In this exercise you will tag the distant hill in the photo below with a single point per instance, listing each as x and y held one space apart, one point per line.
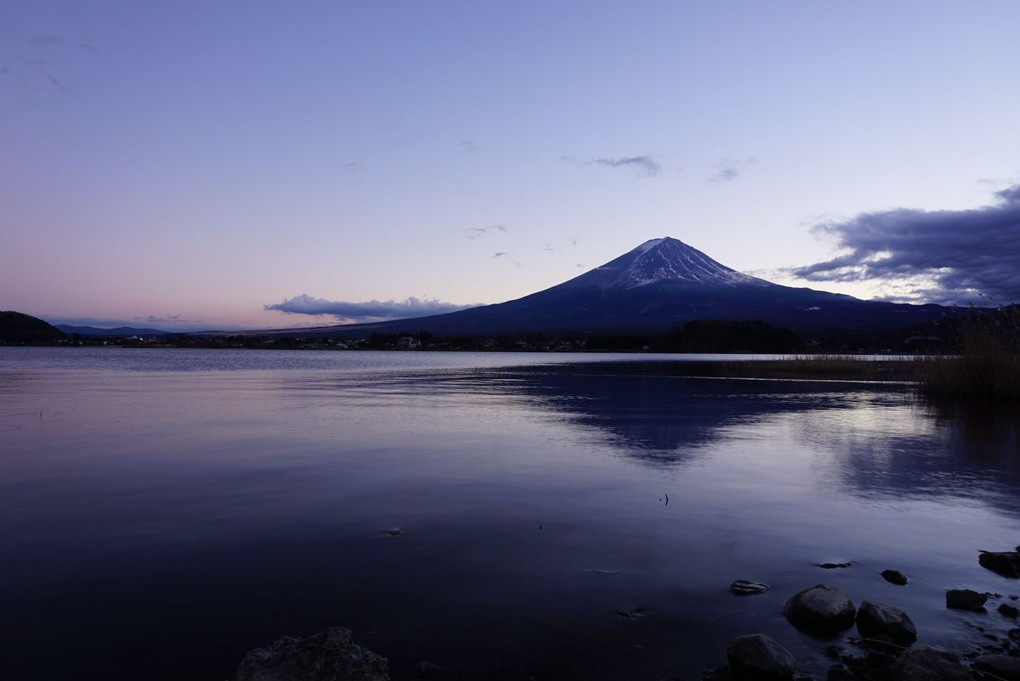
119 331
22 329
660 285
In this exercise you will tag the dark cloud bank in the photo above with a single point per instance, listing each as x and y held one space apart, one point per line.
373 310
967 256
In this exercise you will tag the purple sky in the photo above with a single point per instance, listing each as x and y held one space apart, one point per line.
189 164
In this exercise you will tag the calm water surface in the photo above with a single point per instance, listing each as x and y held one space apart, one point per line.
163 511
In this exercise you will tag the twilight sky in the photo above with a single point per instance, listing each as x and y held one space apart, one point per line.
249 164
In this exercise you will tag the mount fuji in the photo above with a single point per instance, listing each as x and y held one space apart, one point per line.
661 284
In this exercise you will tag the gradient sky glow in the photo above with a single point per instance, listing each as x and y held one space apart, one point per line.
188 164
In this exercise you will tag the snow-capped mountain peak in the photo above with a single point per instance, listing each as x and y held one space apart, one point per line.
662 260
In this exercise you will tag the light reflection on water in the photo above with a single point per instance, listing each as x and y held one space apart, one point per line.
196 504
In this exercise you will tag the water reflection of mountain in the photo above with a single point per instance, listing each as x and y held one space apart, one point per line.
648 410
987 432
972 451
881 441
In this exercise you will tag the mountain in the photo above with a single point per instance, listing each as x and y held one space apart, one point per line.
17 328
119 331
661 284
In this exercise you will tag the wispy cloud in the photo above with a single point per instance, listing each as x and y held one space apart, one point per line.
939 256
728 170
373 310
354 170
44 61
52 40
645 165
43 69
724 175
477 232
468 147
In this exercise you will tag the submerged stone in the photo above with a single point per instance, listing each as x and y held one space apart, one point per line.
746 587
894 577
928 664
1001 666
834 564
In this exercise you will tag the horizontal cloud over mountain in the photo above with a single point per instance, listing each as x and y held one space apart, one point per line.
949 257
371 310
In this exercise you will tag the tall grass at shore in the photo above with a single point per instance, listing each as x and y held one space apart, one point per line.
980 361
988 363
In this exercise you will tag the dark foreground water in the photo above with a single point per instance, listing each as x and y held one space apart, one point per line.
503 516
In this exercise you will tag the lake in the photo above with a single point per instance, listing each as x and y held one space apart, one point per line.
502 516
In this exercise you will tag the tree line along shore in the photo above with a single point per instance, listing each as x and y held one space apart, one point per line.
971 357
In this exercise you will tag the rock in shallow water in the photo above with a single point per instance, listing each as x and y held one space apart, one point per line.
820 610
965 599
894 577
1005 563
928 664
326 656
758 657
1002 666
745 587
885 623
834 564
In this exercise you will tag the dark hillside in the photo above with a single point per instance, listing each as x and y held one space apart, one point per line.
22 329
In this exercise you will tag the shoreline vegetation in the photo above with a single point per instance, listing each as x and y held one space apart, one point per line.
984 364
984 376
987 365
974 357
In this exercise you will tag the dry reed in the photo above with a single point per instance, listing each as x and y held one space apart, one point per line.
988 363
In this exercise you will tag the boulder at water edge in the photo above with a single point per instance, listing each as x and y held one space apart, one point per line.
965 599
1001 666
820 610
1005 563
758 657
885 623
326 656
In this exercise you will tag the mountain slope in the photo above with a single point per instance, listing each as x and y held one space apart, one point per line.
661 284
17 328
119 331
